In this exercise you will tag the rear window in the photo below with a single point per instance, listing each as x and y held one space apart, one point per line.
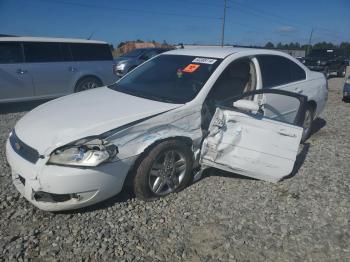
91 52
39 52
10 52
278 70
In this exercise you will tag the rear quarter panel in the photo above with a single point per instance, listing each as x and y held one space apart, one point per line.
101 69
314 87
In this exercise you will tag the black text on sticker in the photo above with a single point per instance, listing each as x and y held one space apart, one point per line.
201 60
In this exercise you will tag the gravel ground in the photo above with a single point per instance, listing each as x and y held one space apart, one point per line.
219 218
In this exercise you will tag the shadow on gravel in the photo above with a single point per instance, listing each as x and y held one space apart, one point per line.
17 107
299 161
221 173
317 125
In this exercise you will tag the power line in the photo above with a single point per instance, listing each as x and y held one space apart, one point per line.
279 19
223 24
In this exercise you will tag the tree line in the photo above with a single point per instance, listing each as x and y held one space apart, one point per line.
345 46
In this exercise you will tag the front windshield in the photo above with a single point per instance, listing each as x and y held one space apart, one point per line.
133 53
168 78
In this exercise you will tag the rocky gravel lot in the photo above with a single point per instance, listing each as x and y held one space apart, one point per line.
219 218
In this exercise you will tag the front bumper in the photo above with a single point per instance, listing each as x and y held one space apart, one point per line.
56 188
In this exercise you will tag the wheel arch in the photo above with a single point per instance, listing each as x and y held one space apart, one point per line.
131 173
81 78
313 105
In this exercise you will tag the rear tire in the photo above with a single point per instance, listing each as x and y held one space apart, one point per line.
87 83
342 73
155 178
307 125
326 73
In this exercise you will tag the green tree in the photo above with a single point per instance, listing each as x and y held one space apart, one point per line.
269 45
345 46
323 45
120 44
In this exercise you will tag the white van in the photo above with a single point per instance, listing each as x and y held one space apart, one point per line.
42 68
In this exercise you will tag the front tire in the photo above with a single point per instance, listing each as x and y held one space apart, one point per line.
307 125
165 169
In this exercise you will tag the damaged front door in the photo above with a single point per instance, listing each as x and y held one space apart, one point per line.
252 137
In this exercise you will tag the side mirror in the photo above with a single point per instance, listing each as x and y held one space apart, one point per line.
246 105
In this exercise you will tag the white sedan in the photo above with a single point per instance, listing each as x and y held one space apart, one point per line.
241 110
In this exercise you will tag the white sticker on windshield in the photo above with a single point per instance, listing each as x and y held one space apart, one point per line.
201 60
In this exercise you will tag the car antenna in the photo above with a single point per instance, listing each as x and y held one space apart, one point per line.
91 35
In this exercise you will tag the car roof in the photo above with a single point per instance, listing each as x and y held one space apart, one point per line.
151 48
222 52
214 52
48 39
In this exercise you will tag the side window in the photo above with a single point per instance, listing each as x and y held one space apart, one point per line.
90 52
278 105
237 78
10 52
297 72
277 70
40 52
65 51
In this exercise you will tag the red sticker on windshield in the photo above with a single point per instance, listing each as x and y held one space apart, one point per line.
190 68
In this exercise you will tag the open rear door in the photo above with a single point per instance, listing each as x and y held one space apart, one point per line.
252 137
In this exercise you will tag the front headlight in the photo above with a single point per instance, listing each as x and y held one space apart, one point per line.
348 81
91 153
121 66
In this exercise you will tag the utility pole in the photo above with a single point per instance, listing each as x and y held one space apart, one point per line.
223 24
309 46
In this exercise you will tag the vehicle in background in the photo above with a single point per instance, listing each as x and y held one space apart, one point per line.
346 90
43 68
237 109
127 62
300 58
348 61
327 61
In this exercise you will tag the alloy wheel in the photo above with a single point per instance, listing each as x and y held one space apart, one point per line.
88 85
167 172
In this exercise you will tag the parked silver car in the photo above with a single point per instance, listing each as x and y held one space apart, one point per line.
127 62
43 68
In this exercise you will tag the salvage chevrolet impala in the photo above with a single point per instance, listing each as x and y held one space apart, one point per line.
241 110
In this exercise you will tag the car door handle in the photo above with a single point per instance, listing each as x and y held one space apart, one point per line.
286 133
72 69
21 71
299 90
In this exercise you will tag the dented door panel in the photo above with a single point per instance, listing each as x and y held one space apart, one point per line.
251 145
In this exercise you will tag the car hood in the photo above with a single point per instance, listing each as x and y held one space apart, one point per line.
84 114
